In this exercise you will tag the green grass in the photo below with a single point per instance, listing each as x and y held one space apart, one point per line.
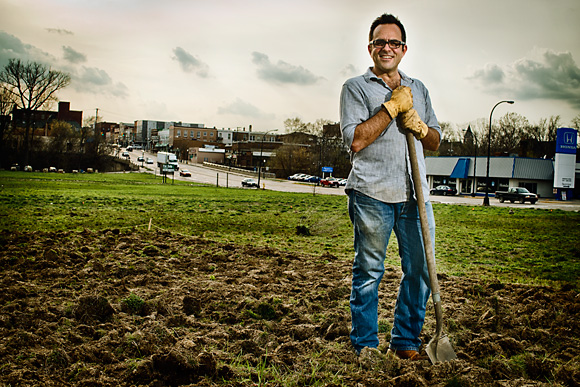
531 245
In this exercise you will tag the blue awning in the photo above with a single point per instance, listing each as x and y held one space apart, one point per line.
461 169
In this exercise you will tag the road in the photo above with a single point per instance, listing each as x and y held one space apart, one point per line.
205 175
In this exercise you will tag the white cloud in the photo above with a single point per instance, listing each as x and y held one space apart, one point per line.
282 72
59 31
72 56
243 109
189 63
94 80
12 47
551 76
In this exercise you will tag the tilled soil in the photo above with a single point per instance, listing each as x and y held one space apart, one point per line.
134 308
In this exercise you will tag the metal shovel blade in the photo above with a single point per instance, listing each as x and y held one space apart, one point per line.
439 349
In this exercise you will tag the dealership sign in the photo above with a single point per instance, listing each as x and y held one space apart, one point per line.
565 159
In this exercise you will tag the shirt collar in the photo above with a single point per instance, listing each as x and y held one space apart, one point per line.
370 76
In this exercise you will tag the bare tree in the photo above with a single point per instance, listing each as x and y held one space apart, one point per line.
6 106
32 86
507 135
576 122
295 125
63 137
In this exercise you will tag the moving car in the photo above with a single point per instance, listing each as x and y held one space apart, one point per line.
140 158
249 182
443 190
149 160
184 172
514 194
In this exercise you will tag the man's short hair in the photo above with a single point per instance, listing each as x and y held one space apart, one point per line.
387 19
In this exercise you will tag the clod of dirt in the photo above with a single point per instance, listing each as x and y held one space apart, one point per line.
191 305
93 308
150 251
303 230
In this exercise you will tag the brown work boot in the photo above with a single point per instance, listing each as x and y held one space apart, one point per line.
406 355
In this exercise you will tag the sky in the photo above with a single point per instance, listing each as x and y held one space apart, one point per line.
236 63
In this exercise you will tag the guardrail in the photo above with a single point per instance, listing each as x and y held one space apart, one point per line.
241 171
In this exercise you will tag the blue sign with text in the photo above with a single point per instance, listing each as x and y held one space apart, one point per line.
327 169
566 141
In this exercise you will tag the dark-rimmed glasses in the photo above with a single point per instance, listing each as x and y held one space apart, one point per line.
381 43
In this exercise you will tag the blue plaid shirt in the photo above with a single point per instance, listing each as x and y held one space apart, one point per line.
382 170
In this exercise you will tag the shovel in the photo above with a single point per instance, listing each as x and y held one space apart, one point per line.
439 348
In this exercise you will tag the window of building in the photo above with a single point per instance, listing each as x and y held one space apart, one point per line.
211 134
198 134
178 133
191 133
204 134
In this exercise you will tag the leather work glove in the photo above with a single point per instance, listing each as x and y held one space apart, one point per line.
401 101
413 123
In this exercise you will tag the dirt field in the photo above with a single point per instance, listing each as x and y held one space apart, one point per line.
137 308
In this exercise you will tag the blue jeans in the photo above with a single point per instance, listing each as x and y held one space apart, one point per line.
373 222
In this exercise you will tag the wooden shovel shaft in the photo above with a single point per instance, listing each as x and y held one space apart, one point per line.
427 242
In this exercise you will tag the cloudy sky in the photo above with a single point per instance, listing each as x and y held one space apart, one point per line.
235 63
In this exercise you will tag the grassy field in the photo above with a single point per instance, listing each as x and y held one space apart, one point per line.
529 246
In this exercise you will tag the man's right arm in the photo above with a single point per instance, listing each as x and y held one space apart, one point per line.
368 131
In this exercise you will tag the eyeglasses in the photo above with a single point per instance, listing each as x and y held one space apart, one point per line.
381 43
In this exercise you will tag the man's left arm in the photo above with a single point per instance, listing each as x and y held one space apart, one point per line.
432 140
429 137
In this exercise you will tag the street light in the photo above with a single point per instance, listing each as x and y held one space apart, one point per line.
260 160
469 133
486 198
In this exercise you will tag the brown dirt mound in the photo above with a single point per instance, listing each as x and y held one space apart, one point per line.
133 308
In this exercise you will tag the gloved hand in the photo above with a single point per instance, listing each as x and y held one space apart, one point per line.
411 121
401 101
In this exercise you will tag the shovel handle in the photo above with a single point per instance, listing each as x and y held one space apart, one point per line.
427 242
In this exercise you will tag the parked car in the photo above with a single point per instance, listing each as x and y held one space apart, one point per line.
125 154
249 182
330 182
140 158
443 190
301 177
312 179
294 176
342 182
185 172
28 168
149 160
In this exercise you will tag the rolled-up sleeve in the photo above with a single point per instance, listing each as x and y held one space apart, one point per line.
353 111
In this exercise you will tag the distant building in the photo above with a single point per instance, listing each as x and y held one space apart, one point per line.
40 120
537 175
208 153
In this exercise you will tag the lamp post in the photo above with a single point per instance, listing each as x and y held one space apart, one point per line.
486 198
469 133
260 160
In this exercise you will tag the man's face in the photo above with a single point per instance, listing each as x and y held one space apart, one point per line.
387 59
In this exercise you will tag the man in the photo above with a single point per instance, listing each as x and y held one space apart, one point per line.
376 111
